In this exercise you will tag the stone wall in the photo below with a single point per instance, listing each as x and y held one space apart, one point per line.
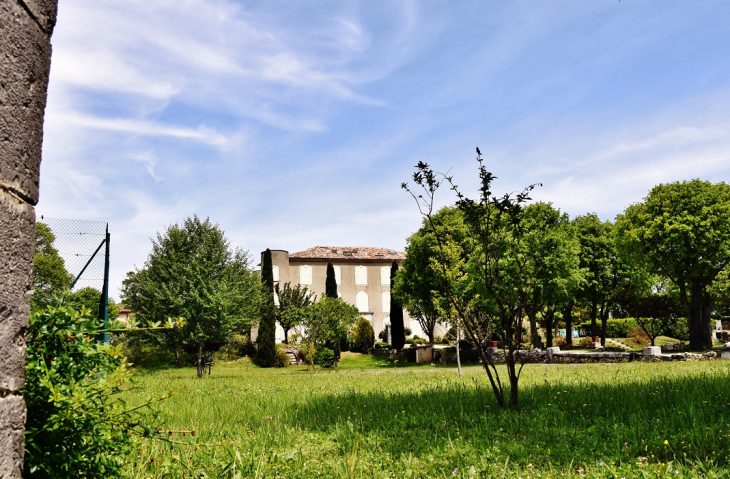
25 57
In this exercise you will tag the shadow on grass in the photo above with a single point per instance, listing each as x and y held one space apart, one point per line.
656 419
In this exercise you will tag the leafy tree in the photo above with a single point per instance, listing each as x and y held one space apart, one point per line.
397 328
496 263
720 291
330 284
267 328
552 269
325 320
419 285
90 298
681 231
50 277
77 425
362 335
192 273
292 306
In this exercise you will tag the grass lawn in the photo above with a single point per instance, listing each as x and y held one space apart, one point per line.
377 418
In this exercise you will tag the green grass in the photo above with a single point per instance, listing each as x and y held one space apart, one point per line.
374 418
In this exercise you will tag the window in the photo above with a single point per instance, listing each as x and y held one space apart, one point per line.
361 276
275 270
385 276
338 275
361 301
386 302
305 274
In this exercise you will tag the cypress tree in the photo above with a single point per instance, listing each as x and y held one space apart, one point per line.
330 284
267 328
330 287
397 328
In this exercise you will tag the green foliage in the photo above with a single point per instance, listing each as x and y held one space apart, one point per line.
194 274
77 426
615 327
50 277
293 302
90 298
330 283
362 335
397 328
325 358
681 232
326 320
266 339
281 359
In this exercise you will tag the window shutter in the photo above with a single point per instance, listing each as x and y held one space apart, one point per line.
361 276
385 276
361 301
305 274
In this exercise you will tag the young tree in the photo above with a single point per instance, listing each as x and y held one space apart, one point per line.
681 231
324 320
266 340
292 304
50 277
496 264
89 298
192 273
397 328
419 285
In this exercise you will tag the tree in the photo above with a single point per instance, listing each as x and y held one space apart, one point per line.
397 328
330 284
552 269
266 354
292 304
419 285
90 298
363 335
325 320
193 273
681 231
496 263
49 277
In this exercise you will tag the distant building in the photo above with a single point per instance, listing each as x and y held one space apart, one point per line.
363 279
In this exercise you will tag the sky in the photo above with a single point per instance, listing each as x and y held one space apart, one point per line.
293 124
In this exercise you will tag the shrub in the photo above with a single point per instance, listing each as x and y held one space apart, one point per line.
325 358
561 342
407 331
281 359
383 335
678 330
130 346
248 349
382 346
76 426
362 336
585 342
639 336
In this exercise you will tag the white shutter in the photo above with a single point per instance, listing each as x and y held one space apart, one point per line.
305 274
361 276
276 299
385 276
361 301
275 270
386 302
338 275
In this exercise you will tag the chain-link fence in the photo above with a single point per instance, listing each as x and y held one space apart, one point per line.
84 247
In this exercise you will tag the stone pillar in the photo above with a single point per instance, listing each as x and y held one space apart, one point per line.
25 58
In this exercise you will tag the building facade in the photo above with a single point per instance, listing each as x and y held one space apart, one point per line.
362 274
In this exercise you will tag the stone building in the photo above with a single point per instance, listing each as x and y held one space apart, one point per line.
363 278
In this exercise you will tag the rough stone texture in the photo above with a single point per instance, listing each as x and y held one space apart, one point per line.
25 56
25 53
12 422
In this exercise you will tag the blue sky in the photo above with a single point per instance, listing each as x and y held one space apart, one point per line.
292 124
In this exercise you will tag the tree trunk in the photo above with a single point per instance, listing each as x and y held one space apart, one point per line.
594 315
549 317
568 318
604 322
178 357
286 335
458 354
430 337
698 319
536 339
200 362
513 379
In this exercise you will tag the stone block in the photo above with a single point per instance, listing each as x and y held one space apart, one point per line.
44 12
12 441
652 351
25 56
551 351
725 355
17 236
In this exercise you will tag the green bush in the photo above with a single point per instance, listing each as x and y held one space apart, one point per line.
281 359
362 336
382 346
325 358
678 330
76 426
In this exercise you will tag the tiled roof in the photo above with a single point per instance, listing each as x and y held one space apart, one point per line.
347 252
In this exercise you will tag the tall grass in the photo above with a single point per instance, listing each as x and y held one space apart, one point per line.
383 420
